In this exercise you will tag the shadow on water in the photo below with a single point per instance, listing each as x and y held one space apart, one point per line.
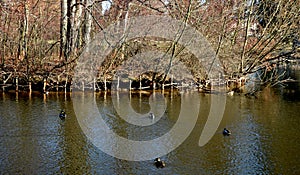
292 90
264 140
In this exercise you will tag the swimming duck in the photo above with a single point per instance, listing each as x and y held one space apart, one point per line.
159 163
226 132
152 116
62 115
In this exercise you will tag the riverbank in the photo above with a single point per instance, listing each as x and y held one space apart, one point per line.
272 74
47 85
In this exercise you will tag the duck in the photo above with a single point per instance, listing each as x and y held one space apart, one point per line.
226 132
159 163
62 115
152 116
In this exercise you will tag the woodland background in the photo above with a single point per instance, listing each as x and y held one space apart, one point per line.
43 39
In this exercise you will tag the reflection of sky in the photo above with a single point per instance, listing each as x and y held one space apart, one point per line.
246 154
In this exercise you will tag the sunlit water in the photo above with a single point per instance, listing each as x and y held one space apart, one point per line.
265 136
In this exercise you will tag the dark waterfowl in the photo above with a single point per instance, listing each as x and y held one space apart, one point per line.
62 115
152 116
226 132
159 163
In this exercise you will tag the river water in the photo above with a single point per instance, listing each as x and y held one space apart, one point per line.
264 140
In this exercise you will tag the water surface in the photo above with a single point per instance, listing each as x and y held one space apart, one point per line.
265 136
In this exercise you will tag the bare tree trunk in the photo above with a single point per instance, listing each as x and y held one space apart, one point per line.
23 34
64 29
248 22
4 22
76 14
174 43
88 21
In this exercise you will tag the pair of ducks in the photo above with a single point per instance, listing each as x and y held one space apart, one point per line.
159 163
62 115
226 132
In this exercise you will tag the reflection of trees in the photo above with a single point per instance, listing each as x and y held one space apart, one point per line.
74 146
